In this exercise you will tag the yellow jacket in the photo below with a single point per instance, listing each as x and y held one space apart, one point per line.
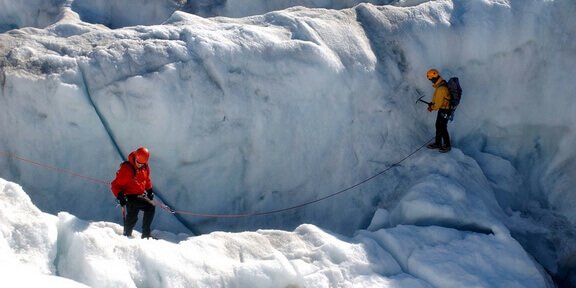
441 98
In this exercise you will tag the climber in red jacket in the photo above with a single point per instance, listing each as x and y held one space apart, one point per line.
133 189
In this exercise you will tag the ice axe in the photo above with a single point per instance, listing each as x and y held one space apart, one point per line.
420 100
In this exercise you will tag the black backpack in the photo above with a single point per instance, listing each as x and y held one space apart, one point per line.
455 94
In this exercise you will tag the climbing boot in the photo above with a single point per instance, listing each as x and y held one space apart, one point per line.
445 149
433 146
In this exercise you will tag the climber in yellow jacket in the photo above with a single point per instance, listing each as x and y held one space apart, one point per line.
440 102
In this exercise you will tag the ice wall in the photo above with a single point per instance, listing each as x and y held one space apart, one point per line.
263 112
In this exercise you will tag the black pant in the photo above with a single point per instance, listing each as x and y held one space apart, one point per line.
442 128
134 205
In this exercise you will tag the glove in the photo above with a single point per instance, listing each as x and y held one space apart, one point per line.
121 199
430 107
150 194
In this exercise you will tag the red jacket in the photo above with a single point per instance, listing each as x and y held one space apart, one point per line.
130 180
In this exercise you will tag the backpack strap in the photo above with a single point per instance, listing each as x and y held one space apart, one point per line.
445 84
132 167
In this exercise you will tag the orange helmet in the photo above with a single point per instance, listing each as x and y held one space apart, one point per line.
142 155
432 73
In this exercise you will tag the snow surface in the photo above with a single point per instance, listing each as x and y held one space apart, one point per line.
35 246
248 115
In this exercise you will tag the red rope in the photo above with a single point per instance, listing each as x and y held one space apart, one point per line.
241 215
57 169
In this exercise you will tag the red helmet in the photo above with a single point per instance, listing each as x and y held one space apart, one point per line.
142 155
